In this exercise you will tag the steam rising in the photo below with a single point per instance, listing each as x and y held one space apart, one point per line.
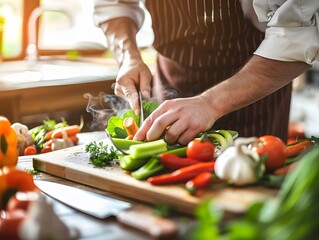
102 107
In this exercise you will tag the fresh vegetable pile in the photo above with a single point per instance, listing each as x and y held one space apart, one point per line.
214 154
49 136
292 215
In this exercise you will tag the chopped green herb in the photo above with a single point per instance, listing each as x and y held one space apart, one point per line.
32 171
101 155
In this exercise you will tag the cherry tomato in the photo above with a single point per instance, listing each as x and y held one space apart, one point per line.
275 150
200 150
30 150
46 149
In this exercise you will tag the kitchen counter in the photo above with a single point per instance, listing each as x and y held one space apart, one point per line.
92 228
51 89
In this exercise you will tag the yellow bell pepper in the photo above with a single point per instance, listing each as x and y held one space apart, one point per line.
8 144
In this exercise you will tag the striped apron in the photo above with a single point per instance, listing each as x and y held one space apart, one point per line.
203 42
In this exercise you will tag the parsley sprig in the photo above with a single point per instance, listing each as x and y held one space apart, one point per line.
101 155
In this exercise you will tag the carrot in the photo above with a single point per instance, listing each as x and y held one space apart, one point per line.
74 138
296 148
70 130
48 135
57 133
46 149
130 126
129 137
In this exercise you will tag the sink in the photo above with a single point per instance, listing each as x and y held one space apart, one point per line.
17 74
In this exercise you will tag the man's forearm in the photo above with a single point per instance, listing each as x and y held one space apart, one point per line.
121 39
257 79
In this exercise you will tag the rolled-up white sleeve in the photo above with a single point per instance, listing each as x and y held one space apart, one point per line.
292 32
105 10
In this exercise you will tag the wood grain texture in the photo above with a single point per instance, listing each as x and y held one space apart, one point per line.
73 164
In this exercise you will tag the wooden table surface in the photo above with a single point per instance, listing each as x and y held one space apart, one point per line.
93 228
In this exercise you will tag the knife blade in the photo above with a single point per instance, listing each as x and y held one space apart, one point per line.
101 207
141 108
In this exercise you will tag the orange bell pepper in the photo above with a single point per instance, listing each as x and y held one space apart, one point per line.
8 144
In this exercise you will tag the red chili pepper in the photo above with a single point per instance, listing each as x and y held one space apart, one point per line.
285 170
182 174
174 162
296 148
201 181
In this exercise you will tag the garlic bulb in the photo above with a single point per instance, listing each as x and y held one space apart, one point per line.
24 137
43 223
61 143
238 164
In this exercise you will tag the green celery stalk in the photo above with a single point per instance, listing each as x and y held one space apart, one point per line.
130 164
146 150
152 167
181 151
227 136
124 143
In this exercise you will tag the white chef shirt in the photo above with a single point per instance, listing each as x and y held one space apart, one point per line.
292 32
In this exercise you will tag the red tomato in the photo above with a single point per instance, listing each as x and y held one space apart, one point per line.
200 150
46 149
275 150
30 150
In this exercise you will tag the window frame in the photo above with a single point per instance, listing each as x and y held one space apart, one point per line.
28 7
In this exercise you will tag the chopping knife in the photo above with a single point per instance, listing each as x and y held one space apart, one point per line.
101 206
141 108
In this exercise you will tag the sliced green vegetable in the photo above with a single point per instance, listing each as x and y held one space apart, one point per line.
221 141
181 151
226 134
149 169
130 164
146 150
125 144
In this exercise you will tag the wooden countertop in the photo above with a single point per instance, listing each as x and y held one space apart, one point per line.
92 228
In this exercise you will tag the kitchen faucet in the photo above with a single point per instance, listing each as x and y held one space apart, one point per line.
32 49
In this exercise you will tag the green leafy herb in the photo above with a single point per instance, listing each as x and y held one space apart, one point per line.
101 155
115 123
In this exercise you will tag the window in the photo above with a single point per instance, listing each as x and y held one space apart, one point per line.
75 29
11 28
58 31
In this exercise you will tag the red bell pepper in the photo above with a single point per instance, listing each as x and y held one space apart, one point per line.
174 162
182 174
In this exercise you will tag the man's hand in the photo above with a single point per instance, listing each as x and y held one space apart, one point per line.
133 75
180 120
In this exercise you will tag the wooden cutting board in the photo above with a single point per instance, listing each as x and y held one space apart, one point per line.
73 164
